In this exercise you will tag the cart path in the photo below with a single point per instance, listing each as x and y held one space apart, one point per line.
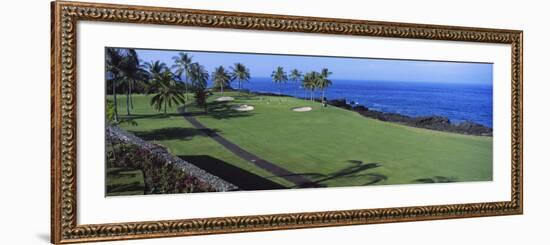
298 180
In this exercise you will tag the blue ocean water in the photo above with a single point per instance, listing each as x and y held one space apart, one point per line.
458 102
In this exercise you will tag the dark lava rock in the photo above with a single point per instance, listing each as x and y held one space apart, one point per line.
473 128
438 123
360 108
431 122
339 103
383 116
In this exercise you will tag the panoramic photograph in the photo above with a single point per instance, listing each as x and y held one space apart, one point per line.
188 121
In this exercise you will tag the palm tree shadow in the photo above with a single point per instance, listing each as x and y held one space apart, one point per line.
174 133
220 110
353 171
436 179
223 110
151 116
375 178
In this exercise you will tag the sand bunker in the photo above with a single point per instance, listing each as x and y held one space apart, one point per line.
242 107
225 98
302 109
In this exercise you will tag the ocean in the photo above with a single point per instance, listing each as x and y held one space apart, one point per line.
458 102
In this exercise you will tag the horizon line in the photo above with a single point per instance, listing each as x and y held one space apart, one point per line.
394 81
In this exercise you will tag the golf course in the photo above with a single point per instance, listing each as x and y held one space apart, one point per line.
330 146
199 121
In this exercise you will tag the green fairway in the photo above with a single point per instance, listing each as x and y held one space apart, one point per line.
179 136
329 145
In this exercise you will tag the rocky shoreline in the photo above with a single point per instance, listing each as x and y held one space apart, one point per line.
438 123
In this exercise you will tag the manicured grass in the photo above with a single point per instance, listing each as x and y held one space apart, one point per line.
330 145
121 182
180 136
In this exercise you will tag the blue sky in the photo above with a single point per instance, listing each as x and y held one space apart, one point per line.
261 65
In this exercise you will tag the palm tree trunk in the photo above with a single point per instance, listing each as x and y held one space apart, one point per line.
115 101
323 96
165 107
186 99
128 101
185 84
221 88
131 99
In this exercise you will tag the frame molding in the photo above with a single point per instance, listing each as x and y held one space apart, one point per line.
65 16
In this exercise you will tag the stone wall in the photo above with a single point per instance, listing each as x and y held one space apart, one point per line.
217 183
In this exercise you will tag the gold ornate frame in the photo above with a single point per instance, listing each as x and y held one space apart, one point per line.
66 15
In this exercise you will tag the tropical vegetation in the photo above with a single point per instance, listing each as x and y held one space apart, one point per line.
172 85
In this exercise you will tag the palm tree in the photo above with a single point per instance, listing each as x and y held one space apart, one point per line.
183 65
279 76
221 78
324 82
199 80
295 76
154 70
309 82
113 58
198 76
132 72
168 91
241 73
